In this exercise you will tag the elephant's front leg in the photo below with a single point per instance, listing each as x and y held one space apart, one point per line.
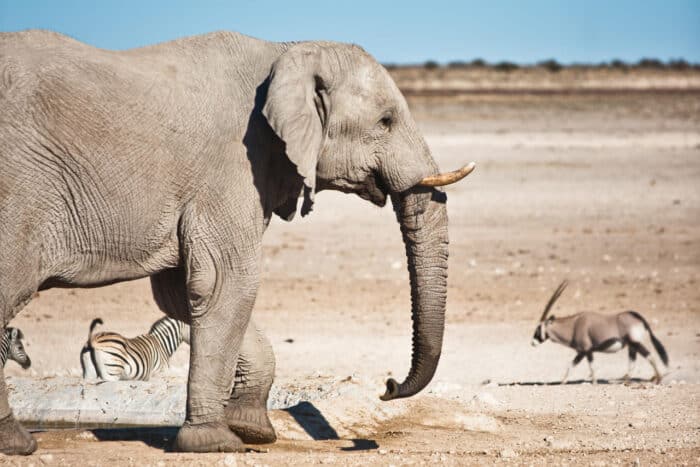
246 412
221 291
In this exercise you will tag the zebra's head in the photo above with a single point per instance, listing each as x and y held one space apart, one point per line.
15 350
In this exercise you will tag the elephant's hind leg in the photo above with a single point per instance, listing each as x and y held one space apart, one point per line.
246 412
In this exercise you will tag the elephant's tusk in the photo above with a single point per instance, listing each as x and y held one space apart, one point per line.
449 177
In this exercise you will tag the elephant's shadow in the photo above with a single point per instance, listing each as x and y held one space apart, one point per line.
161 437
304 413
317 426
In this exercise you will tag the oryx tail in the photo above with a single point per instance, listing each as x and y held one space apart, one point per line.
657 343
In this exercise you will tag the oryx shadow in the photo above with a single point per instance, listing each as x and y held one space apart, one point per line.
574 382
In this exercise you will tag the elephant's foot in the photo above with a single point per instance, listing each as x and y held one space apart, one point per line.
251 424
207 437
14 438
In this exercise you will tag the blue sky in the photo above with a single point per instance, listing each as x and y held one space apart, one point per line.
393 31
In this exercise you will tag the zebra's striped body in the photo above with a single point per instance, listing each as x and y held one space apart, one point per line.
11 348
111 356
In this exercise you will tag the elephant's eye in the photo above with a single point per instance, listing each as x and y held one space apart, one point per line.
385 122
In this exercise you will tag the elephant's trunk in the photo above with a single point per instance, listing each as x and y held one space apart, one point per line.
422 214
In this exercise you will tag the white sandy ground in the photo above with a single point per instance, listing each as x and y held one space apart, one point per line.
562 190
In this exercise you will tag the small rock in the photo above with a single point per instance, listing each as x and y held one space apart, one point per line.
485 398
86 435
230 460
508 453
46 458
558 444
383 451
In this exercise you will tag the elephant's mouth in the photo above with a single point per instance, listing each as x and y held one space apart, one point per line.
375 190
372 188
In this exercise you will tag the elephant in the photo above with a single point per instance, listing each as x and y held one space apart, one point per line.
169 161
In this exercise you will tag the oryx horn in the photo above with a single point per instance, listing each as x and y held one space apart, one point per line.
449 177
554 298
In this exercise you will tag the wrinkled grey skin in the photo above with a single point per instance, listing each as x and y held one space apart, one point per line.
169 161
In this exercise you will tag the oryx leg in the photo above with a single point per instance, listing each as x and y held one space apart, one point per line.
577 359
646 354
632 354
589 357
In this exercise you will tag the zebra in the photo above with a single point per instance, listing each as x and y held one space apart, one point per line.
11 348
111 357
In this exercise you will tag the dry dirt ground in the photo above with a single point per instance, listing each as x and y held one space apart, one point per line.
602 189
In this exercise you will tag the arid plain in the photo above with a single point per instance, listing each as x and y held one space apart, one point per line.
594 178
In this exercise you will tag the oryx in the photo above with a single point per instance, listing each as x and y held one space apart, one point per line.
589 332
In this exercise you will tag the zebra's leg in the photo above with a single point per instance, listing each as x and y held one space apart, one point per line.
246 412
86 363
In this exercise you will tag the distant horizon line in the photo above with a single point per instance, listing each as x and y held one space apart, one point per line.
551 63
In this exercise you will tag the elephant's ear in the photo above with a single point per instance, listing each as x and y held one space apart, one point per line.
291 110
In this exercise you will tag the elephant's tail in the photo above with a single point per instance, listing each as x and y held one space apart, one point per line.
93 325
